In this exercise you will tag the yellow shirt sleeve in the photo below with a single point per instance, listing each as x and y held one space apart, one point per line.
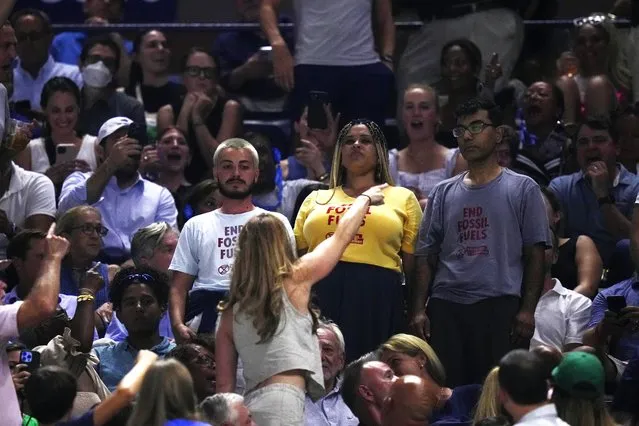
300 220
411 225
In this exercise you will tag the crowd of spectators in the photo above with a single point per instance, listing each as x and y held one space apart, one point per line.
442 234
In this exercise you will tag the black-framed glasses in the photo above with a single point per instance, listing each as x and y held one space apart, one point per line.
594 19
475 128
206 72
88 229
107 61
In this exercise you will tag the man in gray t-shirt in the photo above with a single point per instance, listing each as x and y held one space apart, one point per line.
483 235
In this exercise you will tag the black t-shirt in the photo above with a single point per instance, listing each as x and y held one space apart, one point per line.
155 98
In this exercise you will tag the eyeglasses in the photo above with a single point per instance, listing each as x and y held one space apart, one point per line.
107 61
475 128
206 72
88 229
595 19
32 36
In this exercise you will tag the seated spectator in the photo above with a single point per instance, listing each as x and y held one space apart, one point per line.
578 265
489 402
67 46
561 315
202 198
313 154
524 390
226 409
550 356
8 55
597 201
330 409
139 297
410 402
168 397
542 142
204 114
82 226
36 66
151 247
100 60
19 371
627 125
578 391
27 199
367 384
165 163
246 70
39 306
126 201
410 355
149 81
200 361
460 65
614 334
271 192
51 391
61 105
424 162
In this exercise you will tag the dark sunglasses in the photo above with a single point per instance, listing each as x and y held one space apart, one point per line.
88 229
206 72
109 62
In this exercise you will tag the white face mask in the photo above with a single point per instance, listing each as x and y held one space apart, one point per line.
96 75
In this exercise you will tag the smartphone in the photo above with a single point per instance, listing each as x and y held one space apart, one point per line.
66 152
31 359
316 114
616 303
138 133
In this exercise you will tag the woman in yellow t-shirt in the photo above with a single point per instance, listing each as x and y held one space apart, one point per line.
363 294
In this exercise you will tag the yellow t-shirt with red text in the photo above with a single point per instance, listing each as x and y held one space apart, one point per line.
386 230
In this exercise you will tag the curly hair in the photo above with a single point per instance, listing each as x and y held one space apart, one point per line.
156 281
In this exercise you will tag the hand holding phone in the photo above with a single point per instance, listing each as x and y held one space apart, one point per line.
616 303
316 110
31 359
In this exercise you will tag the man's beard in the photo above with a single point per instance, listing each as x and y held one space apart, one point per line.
236 194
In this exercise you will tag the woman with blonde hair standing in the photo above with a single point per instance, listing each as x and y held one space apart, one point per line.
167 397
267 320
364 294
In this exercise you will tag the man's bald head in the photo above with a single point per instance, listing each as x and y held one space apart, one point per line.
551 357
411 401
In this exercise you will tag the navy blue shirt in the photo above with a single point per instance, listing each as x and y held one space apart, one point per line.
233 49
582 214
458 410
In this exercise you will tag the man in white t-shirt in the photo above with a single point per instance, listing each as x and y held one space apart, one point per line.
204 255
40 304
561 315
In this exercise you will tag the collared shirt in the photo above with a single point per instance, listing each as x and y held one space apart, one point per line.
117 359
29 194
628 345
123 211
330 410
582 214
561 317
29 89
542 416
117 332
67 47
8 329
117 104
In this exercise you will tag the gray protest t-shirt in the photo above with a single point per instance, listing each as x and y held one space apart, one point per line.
478 234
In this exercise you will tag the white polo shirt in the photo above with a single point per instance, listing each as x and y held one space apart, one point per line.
29 194
26 88
561 317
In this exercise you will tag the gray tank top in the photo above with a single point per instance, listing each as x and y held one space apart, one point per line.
293 347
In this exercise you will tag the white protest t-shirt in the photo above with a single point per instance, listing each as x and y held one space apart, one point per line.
207 244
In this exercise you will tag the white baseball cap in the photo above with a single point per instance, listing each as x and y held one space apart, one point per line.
111 126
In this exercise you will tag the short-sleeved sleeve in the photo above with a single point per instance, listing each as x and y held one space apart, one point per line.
41 198
186 257
303 213
578 321
533 218
411 225
9 321
598 310
431 228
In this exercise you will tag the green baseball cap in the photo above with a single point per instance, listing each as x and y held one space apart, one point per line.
580 374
